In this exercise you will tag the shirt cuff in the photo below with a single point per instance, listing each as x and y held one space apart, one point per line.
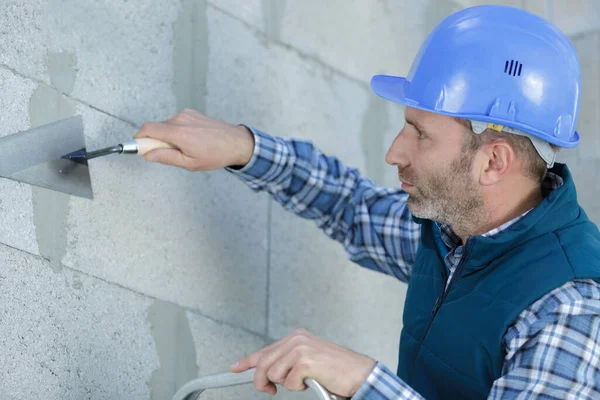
269 158
383 384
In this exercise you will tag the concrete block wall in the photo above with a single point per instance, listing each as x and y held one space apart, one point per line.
166 274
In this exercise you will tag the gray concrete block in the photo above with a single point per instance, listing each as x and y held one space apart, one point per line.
585 173
574 17
568 156
314 286
537 7
217 347
123 54
23 39
47 104
473 3
190 55
587 47
274 89
395 125
70 336
251 12
175 348
14 106
284 94
356 37
195 239
17 228
544 9
594 215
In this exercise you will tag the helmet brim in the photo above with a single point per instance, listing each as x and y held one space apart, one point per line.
393 88
397 89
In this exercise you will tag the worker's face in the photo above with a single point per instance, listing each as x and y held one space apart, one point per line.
434 167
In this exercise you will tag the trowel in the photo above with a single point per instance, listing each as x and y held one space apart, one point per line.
54 156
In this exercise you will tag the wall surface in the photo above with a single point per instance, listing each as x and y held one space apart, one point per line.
166 274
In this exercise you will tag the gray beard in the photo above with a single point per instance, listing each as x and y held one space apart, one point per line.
456 202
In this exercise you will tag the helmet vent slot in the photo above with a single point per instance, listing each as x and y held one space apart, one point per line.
513 68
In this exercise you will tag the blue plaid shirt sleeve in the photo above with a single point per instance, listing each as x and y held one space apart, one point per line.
383 384
553 348
373 223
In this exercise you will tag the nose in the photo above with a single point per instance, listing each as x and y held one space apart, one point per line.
397 154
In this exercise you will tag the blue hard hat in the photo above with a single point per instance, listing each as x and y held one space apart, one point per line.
495 64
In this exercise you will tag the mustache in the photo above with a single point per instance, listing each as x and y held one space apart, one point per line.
407 176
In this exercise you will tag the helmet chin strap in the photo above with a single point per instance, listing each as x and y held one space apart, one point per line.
543 148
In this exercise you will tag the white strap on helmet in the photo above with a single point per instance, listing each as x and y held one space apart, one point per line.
543 148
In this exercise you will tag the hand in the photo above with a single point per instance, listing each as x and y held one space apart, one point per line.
302 355
201 143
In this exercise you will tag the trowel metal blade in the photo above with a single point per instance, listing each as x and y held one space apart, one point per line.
34 157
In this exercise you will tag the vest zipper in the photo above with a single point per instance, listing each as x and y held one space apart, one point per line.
440 300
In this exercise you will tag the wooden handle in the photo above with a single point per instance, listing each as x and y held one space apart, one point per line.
146 145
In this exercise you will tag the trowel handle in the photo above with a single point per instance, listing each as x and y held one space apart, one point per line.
143 146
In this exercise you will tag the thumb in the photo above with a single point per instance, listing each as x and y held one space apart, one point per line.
168 157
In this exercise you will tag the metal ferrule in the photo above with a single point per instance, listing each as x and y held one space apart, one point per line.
130 147
103 152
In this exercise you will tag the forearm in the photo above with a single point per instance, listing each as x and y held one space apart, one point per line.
347 207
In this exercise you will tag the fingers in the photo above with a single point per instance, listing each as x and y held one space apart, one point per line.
280 370
186 115
280 353
169 157
284 353
246 363
169 133
261 383
252 360
270 388
294 381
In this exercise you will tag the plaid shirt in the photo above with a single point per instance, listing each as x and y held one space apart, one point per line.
551 350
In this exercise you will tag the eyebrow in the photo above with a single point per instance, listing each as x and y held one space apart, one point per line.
416 125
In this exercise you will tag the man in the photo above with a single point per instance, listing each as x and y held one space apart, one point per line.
501 262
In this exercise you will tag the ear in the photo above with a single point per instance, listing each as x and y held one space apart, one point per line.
497 157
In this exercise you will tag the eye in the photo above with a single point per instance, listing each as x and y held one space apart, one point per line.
421 134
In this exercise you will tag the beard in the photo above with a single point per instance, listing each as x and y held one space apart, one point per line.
450 197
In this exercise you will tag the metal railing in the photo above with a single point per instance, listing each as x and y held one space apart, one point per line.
193 389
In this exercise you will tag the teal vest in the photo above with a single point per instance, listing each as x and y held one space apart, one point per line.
452 344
